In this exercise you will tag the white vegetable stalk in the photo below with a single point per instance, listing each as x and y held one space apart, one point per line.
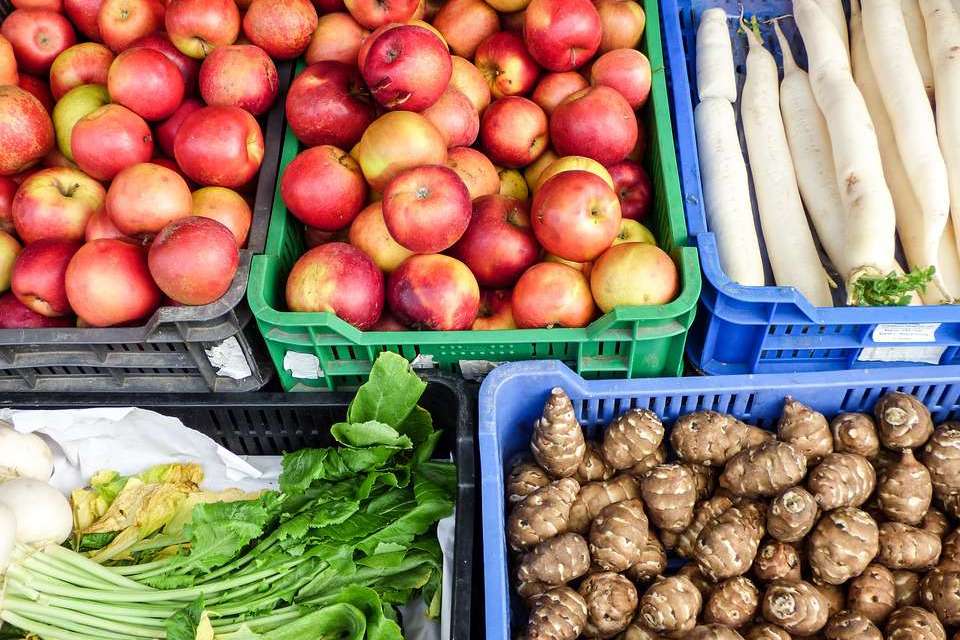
24 455
908 107
726 192
870 216
833 9
917 30
716 77
812 157
790 247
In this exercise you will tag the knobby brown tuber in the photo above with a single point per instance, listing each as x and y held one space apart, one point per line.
670 493
559 614
557 443
704 478
792 515
950 551
851 625
524 479
940 593
807 430
777 561
732 603
728 544
903 421
873 593
611 604
914 623
652 560
542 514
631 437
842 544
670 605
796 606
905 490
942 458
906 588
704 513
649 462
595 496
842 480
855 433
835 596
710 438
714 632
765 631
556 561
618 535
593 467
906 547
935 522
763 471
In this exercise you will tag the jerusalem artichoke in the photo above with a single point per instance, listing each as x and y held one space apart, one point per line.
670 493
611 604
732 603
903 421
842 544
763 471
942 458
906 588
670 606
556 561
618 535
792 515
842 480
542 514
873 594
796 606
914 623
940 593
764 631
652 560
850 625
594 496
905 490
713 632
728 544
705 512
631 437
855 433
935 522
807 430
524 479
906 547
710 438
777 561
557 443
559 614
593 467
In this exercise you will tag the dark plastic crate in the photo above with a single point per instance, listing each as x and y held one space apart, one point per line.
274 423
168 352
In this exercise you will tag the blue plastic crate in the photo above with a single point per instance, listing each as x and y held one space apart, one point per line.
512 397
776 329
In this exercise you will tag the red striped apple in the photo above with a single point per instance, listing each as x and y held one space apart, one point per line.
110 139
84 63
513 130
145 198
562 34
507 66
83 14
38 276
194 260
189 68
122 22
633 188
597 123
455 118
434 292
465 24
146 82
554 88
406 67
427 208
550 294
627 71
239 75
25 128
323 187
108 283
219 147
197 27
476 171
329 104
56 203
576 215
337 39
37 36
466 78
376 13
499 244
283 28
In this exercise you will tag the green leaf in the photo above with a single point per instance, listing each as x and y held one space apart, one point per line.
183 624
390 394
337 622
892 290
368 434
302 468
322 514
96 541
379 626
418 425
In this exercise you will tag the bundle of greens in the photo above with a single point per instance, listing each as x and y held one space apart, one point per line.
350 533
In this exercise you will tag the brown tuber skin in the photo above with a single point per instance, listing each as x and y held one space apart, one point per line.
732 603
670 606
649 462
942 458
902 421
559 614
906 588
940 593
593 467
714 632
850 625
631 437
914 623
872 594
842 480
792 515
704 513
836 598
618 535
542 514
904 491
611 603
950 552
842 544
728 545
764 631
556 561
669 493
636 631
704 478
906 547
763 471
710 438
807 430
797 607
595 496
703 584
652 561
777 561
935 522
524 479
557 442
855 433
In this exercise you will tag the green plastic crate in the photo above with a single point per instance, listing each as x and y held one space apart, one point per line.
629 342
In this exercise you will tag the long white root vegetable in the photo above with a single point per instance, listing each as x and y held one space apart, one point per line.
917 30
790 246
833 9
812 156
726 192
716 77
870 216
908 107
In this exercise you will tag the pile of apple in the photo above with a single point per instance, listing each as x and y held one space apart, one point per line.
473 164
129 147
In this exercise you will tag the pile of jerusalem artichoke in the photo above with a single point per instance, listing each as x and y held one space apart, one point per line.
837 530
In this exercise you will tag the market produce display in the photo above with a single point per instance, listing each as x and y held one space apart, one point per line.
465 165
349 535
130 148
847 159
814 530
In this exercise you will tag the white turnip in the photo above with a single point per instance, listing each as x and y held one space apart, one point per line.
42 513
24 455
715 73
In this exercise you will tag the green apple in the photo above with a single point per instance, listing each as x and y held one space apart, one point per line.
9 250
633 231
74 105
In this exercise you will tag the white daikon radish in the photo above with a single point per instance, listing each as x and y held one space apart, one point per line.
833 9
726 192
917 31
908 107
790 247
715 73
870 217
812 156
943 39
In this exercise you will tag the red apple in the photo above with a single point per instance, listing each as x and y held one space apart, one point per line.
513 130
597 123
388 323
499 244
623 22
407 67
396 141
109 140
38 89
337 39
576 215
455 118
38 276
552 295
506 64
554 88
83 14
512 20
8 63
145 198
49 5
369 233
434 292
376 13
634 274
496 311
219 146
627 71
337 278
427 208
16 315
26 131
633 187
572 163
562 34
85 63
324 188
194 260
8 188
122 22
189 68
197 27
101 226
37 36
166 131
56 203
147 83
226 207
467 79
240 75
476 171
328 104
108 283
465 24
533 171
283 28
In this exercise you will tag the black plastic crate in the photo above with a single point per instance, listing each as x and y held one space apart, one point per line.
274 423
168 352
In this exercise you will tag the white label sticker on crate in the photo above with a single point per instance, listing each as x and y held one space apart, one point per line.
228 359
926 355
423 361
305 366
918 332
477 370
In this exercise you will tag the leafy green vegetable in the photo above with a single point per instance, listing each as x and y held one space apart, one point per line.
891 290
303 468
368 434
183 624
390 394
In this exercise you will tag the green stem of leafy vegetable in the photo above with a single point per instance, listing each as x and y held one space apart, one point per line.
891 290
